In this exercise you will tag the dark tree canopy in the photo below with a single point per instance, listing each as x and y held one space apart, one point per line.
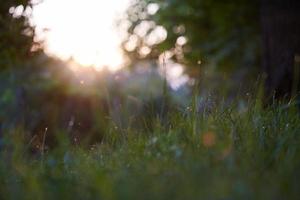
261 34
16 33
225 33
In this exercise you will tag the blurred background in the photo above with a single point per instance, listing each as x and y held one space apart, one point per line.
84 66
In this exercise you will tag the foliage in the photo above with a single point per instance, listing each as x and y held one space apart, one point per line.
16 33
224 153
221 33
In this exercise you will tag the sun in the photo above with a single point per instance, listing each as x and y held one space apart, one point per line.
82 30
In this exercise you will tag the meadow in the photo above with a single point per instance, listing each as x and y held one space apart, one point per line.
221 153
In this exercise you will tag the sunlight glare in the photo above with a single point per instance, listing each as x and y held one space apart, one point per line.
82 30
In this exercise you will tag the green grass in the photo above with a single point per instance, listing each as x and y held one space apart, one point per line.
225 153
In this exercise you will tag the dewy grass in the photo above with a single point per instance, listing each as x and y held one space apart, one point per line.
223 153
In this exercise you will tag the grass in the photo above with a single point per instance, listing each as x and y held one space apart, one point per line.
223 153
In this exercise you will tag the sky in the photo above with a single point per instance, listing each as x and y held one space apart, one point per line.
81 29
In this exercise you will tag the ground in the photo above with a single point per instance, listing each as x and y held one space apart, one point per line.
226 153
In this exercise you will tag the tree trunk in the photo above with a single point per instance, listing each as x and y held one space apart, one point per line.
280 21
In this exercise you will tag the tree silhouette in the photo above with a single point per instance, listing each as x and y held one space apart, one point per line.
260 34
16 32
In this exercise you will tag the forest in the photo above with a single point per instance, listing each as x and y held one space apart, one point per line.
205 104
